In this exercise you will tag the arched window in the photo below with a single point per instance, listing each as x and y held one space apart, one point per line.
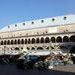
22 41
65 39
8 42
47 40
5 42
25 41
37 40
12 42
72 38
33 40
42 40
53 39
59 39
18 41
28 41
1 42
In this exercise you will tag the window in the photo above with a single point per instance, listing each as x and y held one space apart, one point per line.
15 25
32 22
65 18
42 21
23 23
53 19
8 26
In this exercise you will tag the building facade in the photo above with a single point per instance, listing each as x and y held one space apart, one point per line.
44 34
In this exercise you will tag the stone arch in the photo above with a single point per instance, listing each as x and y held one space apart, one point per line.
12 42
5 42
65 39
1 42
42 40
25 41
22 41
28 41
37 40
53 39
33 40
17 48
15 42
59 39
8 42
47 40
32 48
72 38
18 41
47 48
39 48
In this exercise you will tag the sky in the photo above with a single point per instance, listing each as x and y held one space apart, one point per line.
15 11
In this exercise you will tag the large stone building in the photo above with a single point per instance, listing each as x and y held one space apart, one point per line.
45 34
